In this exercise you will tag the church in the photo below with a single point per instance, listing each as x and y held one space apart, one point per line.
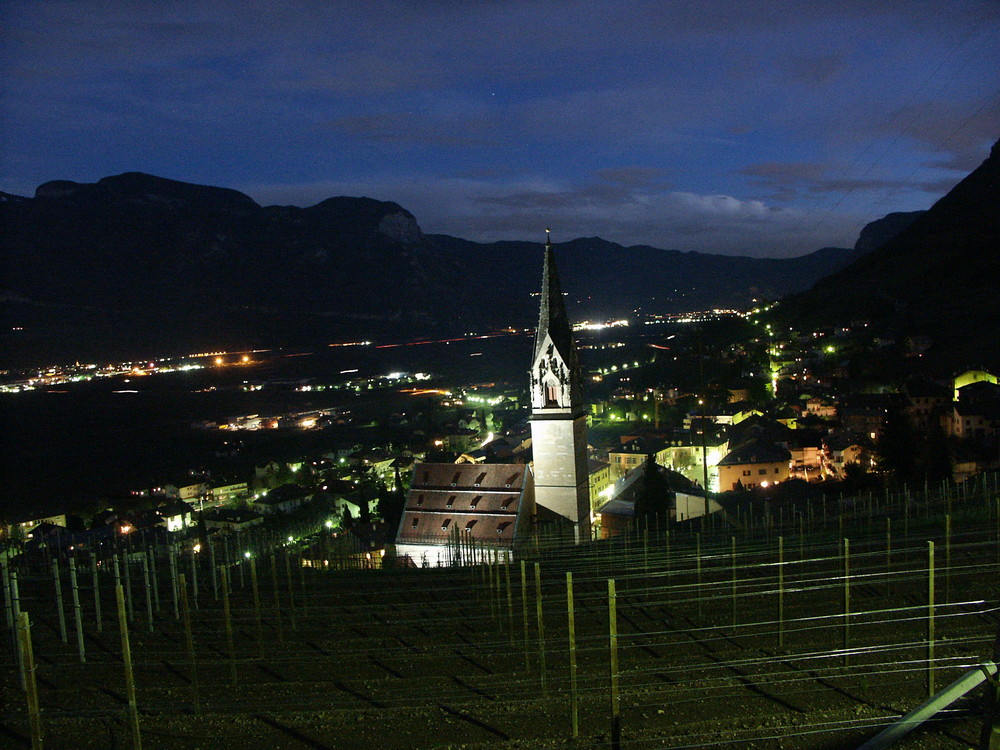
463 513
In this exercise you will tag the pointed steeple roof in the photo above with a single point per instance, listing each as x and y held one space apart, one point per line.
552 318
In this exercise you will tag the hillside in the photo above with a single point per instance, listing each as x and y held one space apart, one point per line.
135 265
939 277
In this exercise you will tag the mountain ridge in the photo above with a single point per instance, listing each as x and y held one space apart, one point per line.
938 277
147 262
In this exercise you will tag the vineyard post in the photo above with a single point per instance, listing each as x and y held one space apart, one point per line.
510 600
173 583
256 606
59 600
189 640
126 563
847 599
888 555
194 577
732 565
149 594
15 598
781 592
291 592
30 685
698 568
133 709
616 720
541 626
930 619
666 560
524 617
151 553
574 699
8 610
97 590
224 574
277 599
947 559
214 572
77 611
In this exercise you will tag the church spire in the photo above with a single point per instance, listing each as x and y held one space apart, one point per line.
558 411
552 317
554 329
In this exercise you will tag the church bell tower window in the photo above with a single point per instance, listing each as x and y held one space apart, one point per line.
551 395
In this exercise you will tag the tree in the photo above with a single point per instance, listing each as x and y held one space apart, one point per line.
896 449
653 499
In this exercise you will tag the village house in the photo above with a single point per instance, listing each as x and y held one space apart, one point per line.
176 514
282 500
231 519
756 463
600 481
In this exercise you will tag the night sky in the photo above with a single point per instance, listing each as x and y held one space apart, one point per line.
760 128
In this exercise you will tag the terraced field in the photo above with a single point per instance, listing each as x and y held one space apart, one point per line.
715 647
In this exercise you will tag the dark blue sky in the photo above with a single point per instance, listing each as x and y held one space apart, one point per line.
760 128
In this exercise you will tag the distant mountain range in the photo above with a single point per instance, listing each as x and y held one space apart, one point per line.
936 275
136 265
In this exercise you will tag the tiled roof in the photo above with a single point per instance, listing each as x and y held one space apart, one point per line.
479 499
756 452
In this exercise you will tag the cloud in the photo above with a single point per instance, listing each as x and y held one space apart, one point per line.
631 176
958 134
815 71
789 180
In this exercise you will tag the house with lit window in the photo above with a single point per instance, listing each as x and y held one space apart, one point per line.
456 514
175 515
756 463
600 481
282 500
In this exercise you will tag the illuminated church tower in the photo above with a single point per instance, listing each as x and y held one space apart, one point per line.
558 412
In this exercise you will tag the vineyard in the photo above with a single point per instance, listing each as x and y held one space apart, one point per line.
812 628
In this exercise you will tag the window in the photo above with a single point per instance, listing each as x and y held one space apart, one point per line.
762 471
746 472
451 501
416 522
470 524
475 501
775 469
446 524
420 500
551 395
501 528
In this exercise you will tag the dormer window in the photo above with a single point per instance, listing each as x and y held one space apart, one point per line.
475 501
451 501
446 524
416 522
420 500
